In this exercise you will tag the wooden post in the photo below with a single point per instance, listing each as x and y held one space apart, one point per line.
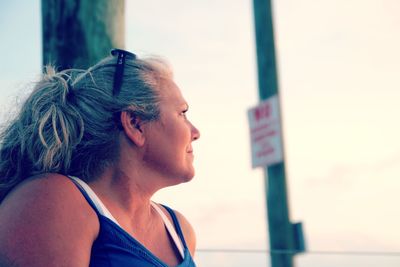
280 229
78 33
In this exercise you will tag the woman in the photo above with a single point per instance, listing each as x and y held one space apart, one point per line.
81 161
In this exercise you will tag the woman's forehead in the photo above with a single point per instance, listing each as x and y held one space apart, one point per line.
171 93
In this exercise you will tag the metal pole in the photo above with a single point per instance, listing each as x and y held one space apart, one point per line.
78 33
280 228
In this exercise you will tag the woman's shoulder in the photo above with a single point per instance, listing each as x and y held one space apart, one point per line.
49 189
46 213
46 197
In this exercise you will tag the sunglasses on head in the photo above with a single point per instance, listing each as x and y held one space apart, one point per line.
119 68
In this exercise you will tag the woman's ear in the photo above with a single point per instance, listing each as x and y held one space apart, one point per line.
131 125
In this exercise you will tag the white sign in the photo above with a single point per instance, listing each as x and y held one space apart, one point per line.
265 133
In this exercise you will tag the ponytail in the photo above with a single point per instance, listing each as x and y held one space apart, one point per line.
44 134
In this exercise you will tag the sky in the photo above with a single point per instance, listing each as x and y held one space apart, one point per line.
338 64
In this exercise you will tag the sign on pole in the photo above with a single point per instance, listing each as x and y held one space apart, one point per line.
265 133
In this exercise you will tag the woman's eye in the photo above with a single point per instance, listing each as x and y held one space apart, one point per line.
183 113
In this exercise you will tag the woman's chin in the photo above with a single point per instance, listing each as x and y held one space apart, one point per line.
187 177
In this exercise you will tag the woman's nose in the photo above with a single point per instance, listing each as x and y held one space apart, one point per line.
195 133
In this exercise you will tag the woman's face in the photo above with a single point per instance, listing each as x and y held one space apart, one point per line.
169 139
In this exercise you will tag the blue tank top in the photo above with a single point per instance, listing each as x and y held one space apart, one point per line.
114 247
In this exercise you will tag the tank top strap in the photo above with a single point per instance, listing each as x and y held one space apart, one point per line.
176 224
85 195
171 230
93 199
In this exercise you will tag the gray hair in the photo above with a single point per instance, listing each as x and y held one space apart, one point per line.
70 122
